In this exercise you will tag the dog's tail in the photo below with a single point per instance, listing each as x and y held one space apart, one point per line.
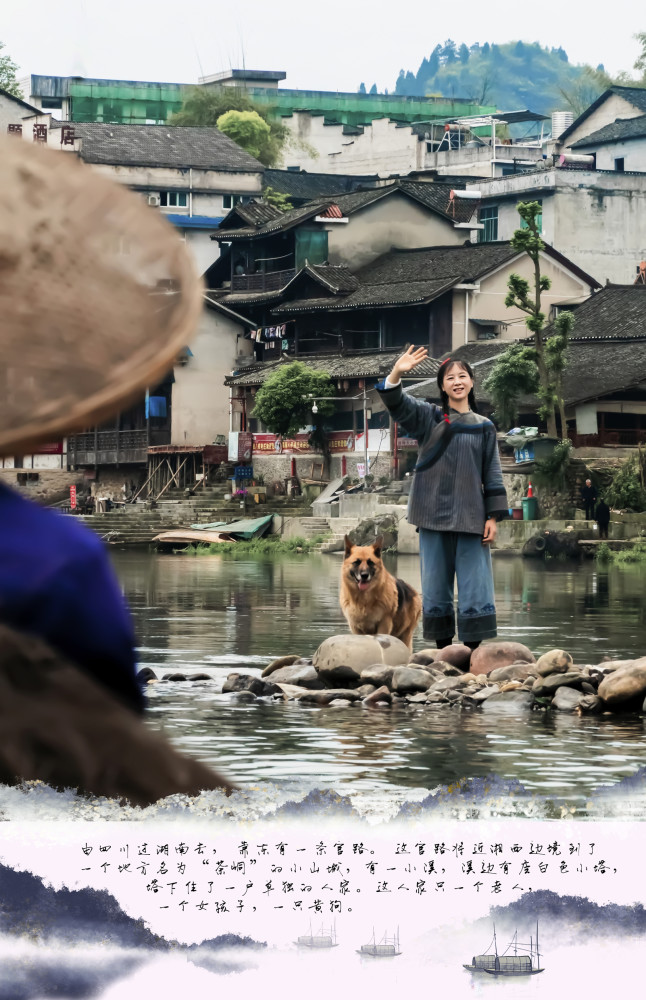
405 593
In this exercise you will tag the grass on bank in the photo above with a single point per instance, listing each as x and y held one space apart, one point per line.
635 554
272 546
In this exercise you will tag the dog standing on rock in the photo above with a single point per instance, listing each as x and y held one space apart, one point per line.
372 599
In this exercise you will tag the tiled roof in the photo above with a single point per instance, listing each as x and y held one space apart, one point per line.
257 213
366 365
633 95
304 186
435 197
615 312
619 130
369 296
162 146
337 277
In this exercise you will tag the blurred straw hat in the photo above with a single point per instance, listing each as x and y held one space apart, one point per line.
97 296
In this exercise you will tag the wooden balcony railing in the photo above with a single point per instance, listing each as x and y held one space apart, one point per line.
270 281
107 447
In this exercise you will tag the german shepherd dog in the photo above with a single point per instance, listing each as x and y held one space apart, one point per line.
372 599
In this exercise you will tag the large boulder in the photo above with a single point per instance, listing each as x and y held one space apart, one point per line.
458 655
302 675
491 655
624 685
367 530
555 661
359 651
408 680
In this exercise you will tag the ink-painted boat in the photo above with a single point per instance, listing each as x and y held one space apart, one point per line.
388 947
326 938
518 959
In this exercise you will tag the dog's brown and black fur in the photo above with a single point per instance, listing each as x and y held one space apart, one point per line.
372 599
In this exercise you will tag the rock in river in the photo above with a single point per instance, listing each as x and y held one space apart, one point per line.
567 699
359 651
511 702
555 661
303 675
282 661
407 680
490 655
625 683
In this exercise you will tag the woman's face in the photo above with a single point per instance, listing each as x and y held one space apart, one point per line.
457 382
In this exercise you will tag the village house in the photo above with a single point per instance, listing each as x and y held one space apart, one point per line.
193 176
592 190
615 103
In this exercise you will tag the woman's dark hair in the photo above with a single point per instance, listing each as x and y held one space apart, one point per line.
443 369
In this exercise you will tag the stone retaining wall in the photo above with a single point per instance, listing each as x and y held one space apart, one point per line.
52 485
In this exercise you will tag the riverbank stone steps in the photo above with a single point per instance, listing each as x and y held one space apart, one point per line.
380 672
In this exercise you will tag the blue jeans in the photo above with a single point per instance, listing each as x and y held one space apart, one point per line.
443 556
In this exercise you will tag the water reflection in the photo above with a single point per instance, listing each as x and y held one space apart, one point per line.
213 615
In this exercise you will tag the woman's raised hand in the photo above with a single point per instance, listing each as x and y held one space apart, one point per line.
409 360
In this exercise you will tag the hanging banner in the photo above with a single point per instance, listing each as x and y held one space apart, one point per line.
338 442
405 442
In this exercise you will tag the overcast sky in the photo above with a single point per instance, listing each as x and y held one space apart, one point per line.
334 45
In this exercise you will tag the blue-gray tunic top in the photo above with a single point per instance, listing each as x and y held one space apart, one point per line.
464 485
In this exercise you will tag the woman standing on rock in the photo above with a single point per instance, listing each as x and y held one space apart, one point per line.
457 497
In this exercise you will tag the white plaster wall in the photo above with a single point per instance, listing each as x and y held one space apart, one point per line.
200 402
633 152
394 221
612 108
383 148
597 220
489 301
199 181
204 250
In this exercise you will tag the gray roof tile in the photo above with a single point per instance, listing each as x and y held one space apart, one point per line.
619 130
162 146
366 365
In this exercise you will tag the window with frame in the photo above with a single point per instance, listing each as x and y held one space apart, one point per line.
173 199
231 200
489 219
539 217
620 164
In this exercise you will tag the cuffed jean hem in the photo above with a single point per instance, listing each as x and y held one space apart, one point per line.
475 628
438 626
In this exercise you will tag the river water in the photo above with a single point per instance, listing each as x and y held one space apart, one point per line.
214 615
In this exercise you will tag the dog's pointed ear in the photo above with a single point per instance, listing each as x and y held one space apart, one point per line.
349 544
378 545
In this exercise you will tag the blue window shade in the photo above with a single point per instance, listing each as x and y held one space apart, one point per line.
156 406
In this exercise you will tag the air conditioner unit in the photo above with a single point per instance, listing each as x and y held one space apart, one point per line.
154 200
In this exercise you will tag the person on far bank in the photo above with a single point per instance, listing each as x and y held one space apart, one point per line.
589 497
603 518
456 499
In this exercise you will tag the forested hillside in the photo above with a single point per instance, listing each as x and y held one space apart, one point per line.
510 76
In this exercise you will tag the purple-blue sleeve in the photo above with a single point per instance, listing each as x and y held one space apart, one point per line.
83 613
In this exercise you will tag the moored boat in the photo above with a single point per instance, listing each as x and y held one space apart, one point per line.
388 947
326 938
524 960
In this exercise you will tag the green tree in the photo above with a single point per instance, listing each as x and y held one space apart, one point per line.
549 353
8 78
248 130
513 375
627 486
203 106
283 403
276 198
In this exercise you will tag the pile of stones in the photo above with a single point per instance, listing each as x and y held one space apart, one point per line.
380 672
